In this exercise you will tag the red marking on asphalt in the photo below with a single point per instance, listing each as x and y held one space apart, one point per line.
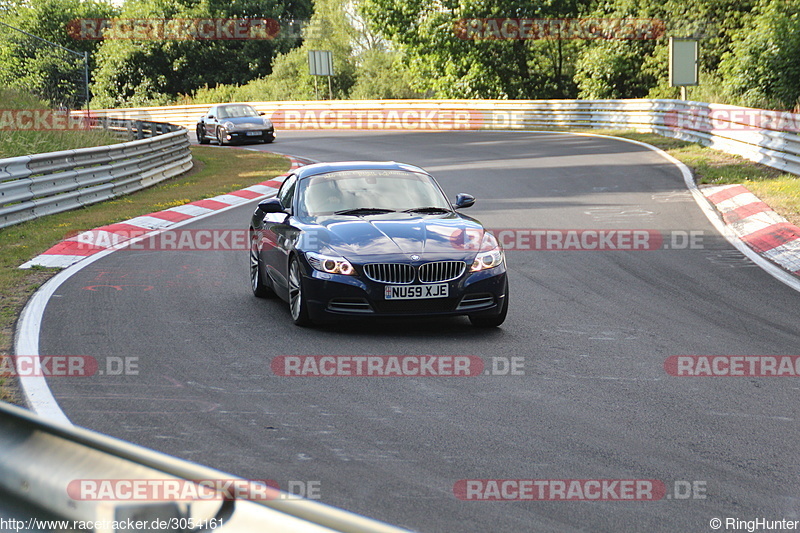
180 405
117 287
271 183
174 381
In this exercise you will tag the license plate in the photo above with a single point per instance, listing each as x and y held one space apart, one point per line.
416 292
253 133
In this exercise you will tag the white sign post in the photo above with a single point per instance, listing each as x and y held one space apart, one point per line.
320 63
683 66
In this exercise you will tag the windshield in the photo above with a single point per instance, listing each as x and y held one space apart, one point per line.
379 190
237 111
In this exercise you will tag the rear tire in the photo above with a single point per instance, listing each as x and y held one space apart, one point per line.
260 289
492 321
201 136
297 300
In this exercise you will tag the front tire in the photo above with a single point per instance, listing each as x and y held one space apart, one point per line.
297 299
257 284
492 321
221 136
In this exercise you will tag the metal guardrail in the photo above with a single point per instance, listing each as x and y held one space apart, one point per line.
45 184
43 461
37 185
767 137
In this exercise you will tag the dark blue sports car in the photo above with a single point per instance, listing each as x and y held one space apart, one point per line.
368 239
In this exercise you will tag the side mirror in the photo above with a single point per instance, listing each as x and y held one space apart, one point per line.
271 205
210 117
262 114
464 200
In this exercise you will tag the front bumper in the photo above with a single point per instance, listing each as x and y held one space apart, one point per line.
334 296
250 135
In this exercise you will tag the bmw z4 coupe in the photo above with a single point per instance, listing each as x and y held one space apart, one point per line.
374 239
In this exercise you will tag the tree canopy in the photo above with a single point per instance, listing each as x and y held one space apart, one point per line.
132 72
507 49
31 65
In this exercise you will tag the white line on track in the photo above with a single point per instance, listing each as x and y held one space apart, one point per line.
38 396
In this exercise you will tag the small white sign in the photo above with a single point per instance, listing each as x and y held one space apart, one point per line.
682 62
320 62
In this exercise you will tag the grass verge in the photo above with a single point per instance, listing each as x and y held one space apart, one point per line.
16 142
216 171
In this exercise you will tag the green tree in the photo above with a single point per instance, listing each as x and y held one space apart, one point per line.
382 75
442 61
763 67
330 28
157 71
30 65
639 68
612 69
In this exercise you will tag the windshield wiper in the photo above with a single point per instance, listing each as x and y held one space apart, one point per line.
431 209
364 211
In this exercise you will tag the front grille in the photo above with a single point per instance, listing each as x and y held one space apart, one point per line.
389 272
441 271
402 273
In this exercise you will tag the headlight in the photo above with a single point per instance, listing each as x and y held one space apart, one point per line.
267 122
489 256
330 264
228 126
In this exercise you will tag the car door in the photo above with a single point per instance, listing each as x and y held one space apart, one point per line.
279 236
210 123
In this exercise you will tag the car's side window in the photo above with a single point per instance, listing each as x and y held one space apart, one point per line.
286 192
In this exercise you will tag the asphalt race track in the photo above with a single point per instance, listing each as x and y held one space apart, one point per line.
594 329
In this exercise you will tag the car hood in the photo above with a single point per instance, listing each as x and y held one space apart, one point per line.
374 237
240 121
